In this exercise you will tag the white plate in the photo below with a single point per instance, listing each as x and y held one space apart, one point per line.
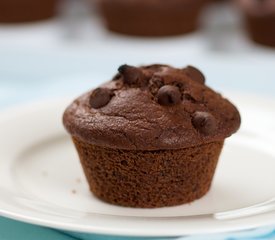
41 181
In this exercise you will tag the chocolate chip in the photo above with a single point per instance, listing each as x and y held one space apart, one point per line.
124 163
195 74
100 97
204 122
169 95
132 75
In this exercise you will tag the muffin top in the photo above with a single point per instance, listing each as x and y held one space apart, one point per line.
258 7
154 107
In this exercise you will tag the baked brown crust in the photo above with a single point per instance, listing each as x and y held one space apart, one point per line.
149 179
135 119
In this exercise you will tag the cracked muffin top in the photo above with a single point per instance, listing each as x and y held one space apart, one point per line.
154 107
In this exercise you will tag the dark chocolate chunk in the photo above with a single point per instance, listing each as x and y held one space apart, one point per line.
204 122
169 95
132 75
195 74
100 97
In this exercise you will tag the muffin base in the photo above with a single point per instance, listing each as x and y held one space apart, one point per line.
262 29
16 11
150 21
149 179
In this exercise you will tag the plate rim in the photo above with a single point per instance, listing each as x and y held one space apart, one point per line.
126 233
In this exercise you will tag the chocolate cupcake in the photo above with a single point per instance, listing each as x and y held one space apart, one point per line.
151 17
152 136
14 11
260 19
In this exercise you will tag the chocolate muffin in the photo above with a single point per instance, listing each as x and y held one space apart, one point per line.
152 136
260 19
14 11
151 17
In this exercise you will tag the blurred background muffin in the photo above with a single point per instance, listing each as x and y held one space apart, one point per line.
260 20
15 11
151 17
